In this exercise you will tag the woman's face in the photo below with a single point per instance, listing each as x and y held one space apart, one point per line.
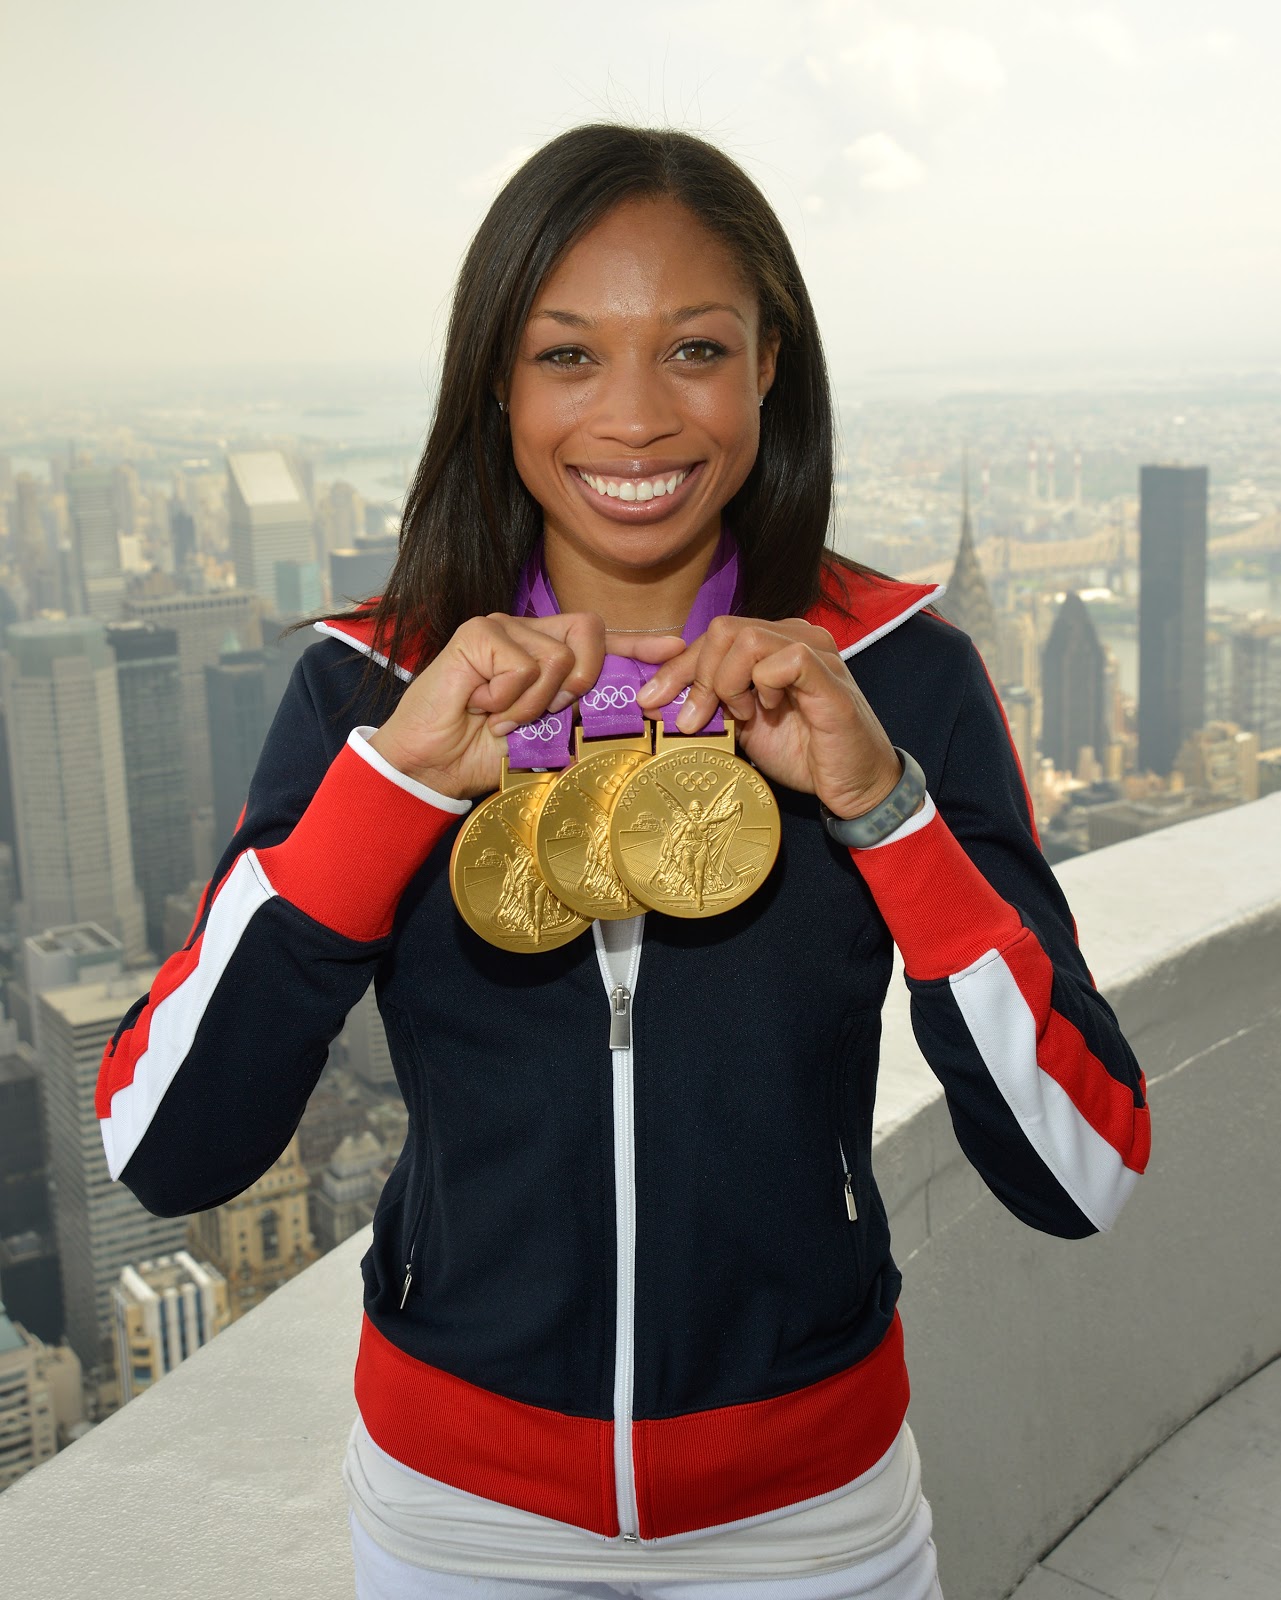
635 399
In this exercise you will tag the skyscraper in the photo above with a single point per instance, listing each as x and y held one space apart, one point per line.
1073 687
32 547
1256 680
271 521
360 571
967 601
93 504
150 688
40 1398
206 625
243 690
101 1226
29 1280
164 1311
66 759
1172 542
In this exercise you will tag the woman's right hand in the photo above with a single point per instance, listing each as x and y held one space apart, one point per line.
449 729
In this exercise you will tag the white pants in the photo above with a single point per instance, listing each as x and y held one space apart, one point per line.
382 1576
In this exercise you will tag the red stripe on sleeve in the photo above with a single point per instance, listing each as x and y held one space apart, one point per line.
355 848
1062 1054
941 911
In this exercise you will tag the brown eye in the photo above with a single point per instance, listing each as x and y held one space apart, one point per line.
698 352
565 356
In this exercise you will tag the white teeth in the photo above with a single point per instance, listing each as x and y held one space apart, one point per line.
634 488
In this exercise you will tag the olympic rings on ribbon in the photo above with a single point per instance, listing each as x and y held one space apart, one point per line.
610 697
544 730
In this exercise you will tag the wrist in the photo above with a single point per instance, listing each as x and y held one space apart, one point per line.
850 805
443 782
868 828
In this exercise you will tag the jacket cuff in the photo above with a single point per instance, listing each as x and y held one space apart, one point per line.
361 839
941 911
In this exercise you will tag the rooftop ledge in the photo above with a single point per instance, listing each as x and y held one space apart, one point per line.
1042 1370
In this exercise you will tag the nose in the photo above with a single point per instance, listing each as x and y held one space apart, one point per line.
633 407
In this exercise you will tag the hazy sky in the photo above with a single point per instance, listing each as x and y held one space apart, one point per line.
969 183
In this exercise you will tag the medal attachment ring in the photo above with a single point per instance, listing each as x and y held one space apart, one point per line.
695 829
493 875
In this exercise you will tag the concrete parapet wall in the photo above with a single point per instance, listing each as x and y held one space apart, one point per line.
1042 1370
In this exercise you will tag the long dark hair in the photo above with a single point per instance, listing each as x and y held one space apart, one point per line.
469 523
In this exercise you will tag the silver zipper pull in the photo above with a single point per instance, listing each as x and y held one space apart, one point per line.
620 1018
409 1273
849 1198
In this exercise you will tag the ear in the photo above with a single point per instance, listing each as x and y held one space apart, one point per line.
767 361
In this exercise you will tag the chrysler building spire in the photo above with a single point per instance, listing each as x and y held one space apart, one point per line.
967 601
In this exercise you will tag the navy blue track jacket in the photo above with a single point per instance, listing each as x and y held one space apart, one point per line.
647 1289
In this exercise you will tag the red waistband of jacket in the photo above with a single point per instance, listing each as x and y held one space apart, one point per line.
697 1471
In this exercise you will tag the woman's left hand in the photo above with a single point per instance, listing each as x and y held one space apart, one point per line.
798 714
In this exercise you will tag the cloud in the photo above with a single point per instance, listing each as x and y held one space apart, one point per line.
883 164
915 65
1106 33
1219 42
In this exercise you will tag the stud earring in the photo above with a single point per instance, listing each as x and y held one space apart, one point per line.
761 401
502 405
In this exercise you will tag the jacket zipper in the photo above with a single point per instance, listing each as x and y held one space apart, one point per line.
851 1210
413 1241
624 1078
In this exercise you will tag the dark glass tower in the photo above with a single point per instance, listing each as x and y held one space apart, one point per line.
1172 540
1073 672
155 773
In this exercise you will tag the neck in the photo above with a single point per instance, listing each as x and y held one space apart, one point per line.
656 598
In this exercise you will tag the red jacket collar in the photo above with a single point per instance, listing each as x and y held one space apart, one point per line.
876 606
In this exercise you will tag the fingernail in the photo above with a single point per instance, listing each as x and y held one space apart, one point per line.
687 718
645 696
563 699
502 729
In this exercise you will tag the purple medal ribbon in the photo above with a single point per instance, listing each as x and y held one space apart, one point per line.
609 708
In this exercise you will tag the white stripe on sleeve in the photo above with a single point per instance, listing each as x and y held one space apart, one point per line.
1003 1028
176 1018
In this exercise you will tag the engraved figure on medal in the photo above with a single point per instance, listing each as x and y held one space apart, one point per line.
525 904
597 879
692 860
695 830
495 879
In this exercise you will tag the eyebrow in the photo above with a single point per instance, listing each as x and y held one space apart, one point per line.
573 319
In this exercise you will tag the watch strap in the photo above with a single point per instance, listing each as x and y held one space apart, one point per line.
858 833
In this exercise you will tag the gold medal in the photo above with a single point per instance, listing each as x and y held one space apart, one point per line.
571 832
494 877
695 829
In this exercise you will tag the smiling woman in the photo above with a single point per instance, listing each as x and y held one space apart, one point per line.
630 1311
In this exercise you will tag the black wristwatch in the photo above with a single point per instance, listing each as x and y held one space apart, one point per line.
857 833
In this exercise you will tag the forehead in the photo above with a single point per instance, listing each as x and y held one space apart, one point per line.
645 258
